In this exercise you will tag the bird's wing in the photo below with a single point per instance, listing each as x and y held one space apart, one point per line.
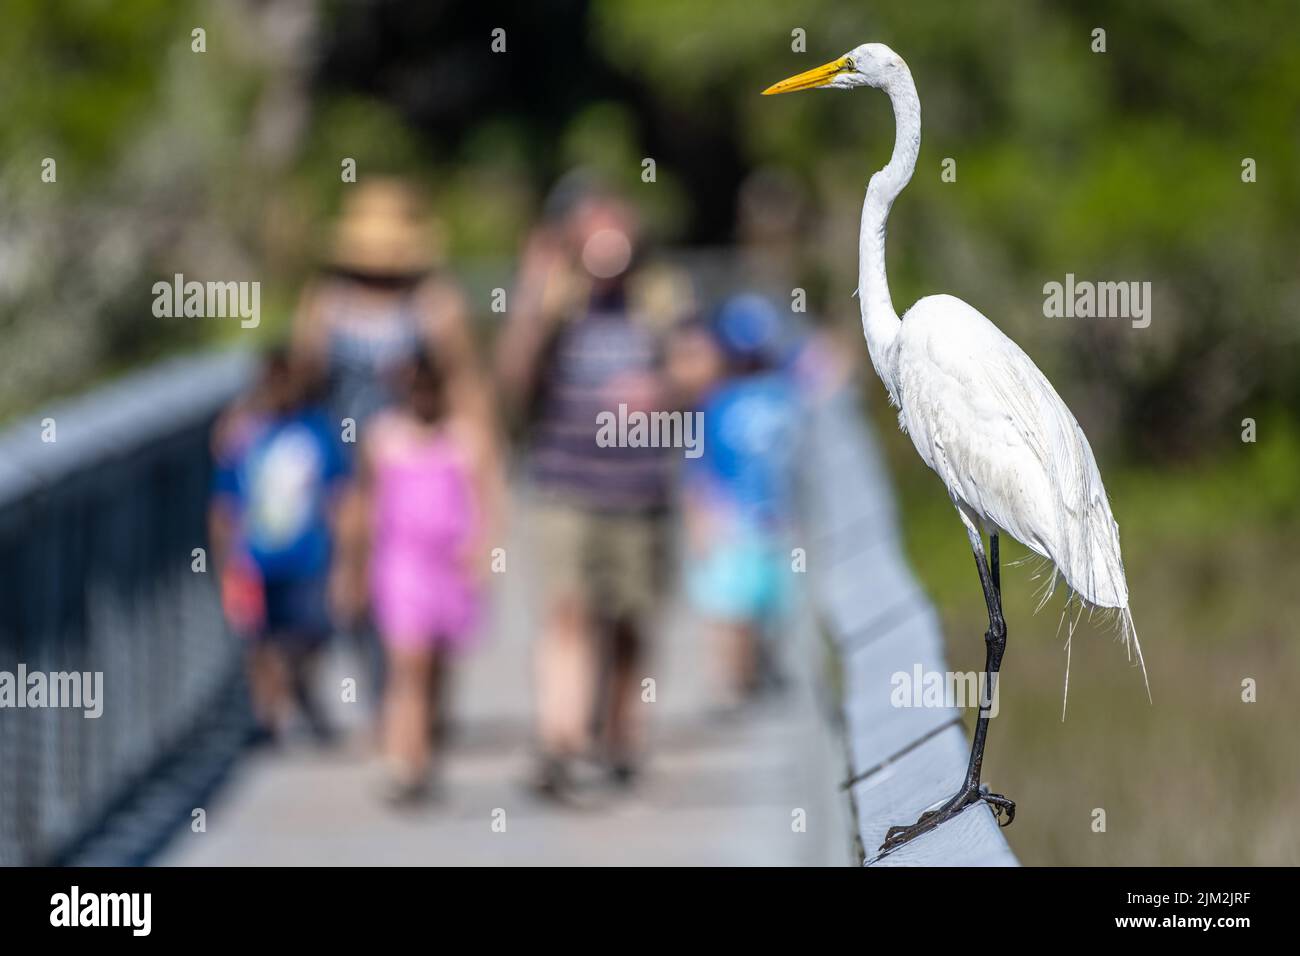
1006 445
1086 546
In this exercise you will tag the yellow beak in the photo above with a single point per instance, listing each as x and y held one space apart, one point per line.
811 79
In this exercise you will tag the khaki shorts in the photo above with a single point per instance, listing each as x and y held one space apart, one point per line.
614 563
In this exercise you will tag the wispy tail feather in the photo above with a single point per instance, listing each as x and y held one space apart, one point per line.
1069 638
1123 621
1131 635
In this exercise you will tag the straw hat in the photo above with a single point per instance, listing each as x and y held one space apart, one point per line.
383 231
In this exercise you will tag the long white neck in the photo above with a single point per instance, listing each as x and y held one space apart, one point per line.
880 322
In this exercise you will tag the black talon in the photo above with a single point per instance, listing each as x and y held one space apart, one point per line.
998 805
1001 805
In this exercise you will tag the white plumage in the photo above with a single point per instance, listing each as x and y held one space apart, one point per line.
976 407
1011 455
980 414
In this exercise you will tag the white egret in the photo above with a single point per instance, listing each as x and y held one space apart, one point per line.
981 415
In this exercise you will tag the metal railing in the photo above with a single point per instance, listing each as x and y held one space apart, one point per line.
900 760
102 503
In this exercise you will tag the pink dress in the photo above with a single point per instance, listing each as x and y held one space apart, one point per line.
425 516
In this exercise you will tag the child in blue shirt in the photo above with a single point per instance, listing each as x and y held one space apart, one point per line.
737 493
279 471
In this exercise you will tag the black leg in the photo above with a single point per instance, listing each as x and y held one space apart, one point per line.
995 643
994 569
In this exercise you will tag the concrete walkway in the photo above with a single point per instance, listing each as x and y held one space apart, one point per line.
716 790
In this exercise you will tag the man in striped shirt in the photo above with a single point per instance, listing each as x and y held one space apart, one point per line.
582 342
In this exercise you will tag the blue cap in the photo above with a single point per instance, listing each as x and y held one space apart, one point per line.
748 326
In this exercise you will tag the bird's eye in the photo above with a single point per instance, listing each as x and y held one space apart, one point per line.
848 66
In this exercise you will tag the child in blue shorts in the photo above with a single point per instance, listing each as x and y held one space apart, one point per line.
279 469
737 492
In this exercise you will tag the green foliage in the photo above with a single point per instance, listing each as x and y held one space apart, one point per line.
152 176
68 90
1121 165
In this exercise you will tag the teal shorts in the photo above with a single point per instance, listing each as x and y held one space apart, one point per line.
742 579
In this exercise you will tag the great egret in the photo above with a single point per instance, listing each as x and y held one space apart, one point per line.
981 415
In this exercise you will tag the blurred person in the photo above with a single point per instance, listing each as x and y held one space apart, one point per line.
695 363
382 300
774 234
584 338
430 492
737 494
278 475
382 297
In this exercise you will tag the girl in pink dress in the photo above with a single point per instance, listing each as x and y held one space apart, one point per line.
427 486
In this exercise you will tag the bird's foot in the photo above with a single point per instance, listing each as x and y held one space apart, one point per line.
1000 805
